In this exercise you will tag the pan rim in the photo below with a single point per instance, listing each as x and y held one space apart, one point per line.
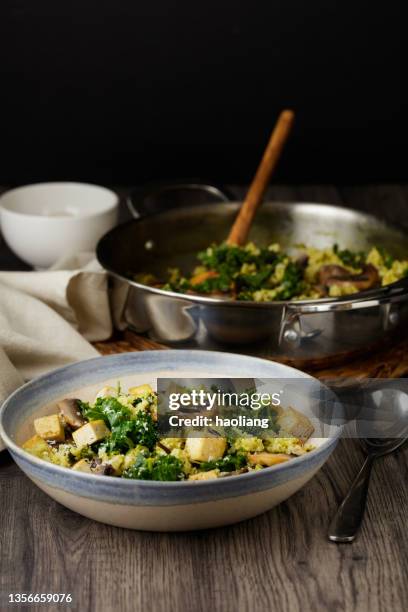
399 287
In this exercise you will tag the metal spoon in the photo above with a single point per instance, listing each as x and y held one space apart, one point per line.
349 516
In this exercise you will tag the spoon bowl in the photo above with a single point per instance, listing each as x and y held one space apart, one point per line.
382 428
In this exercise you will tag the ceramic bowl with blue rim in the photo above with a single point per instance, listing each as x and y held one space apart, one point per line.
149 505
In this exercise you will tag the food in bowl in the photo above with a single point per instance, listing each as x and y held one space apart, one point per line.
117 435
158 505
264 274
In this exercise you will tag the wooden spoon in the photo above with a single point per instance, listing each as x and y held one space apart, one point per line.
242 224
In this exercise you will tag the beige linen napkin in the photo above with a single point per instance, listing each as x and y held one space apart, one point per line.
48 318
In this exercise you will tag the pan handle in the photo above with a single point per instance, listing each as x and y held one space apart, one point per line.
347 304
159 197
291 329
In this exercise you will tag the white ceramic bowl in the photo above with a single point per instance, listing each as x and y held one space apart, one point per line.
46 221
147 505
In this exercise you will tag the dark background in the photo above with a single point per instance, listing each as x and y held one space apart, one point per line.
128 91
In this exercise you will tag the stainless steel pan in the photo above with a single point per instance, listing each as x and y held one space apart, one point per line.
298 331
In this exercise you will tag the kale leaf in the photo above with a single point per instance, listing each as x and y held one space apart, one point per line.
216 284
387 258
228 260
127 429
292 282
350 258
229 463
254 281
162 467
225 257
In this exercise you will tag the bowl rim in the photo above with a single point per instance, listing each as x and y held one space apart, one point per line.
108 207
147 485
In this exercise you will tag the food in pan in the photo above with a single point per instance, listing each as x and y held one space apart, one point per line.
117 435
270 274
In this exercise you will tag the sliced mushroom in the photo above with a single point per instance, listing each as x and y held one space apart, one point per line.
101 469
368 278
329 272
302 260
104 470
69 409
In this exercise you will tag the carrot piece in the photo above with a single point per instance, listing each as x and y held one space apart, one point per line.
203 276
268 459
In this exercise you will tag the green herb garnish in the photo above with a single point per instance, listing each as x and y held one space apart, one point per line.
127 429
229 463
162 467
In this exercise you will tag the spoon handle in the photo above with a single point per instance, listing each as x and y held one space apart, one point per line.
242 224
349 516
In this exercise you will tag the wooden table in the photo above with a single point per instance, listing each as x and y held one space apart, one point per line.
279 561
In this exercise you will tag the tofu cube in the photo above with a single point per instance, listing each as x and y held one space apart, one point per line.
294 424
82 465
36 446
205 449
94 431
141 390
50 428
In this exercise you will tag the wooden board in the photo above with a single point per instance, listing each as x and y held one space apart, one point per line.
390 361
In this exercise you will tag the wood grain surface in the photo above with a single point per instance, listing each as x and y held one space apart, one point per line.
280 561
